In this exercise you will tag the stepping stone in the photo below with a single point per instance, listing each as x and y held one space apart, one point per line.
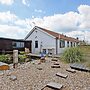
39 68
54 59
71 70
61 75
13 78
56 63
55 66
54 85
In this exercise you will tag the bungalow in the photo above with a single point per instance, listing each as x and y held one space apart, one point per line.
45 41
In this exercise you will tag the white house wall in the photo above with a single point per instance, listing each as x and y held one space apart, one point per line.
61 50
40 36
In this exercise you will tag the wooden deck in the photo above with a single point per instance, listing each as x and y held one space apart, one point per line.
80 67
34 55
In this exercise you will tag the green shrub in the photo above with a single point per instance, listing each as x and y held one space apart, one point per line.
22 58
6 58
22 52
72 55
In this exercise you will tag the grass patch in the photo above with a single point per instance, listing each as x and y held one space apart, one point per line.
80 54
72 55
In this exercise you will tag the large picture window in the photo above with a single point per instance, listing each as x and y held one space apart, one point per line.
36 44
18 44
62 43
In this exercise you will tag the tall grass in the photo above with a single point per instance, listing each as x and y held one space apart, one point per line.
72 55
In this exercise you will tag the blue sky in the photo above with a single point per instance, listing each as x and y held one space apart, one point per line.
50 7
70 17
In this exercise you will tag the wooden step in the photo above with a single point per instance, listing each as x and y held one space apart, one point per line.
61 75
80 67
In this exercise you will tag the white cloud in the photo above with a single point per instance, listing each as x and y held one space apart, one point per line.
25 2
74 24
12 31
39 11
7 17
7 2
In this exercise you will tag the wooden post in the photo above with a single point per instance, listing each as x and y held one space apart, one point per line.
27 51
52 52
15 58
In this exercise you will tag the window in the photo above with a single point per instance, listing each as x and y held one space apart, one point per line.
44 51
71 44
62 43
50 51
18 44
67 43
36 44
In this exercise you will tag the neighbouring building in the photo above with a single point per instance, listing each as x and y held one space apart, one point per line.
45 41
8 45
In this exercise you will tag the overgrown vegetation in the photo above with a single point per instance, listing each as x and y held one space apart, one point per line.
73 54
86 54
6 58
23 57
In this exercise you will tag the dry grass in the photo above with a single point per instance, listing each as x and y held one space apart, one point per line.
86 55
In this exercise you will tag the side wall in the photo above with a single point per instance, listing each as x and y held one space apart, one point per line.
61 50
45 41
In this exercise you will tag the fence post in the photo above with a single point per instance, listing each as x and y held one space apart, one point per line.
15 58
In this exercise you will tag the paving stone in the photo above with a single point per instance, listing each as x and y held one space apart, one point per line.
54 85
56 63
39 68
71 70
54 59
13 77
55 66
61 75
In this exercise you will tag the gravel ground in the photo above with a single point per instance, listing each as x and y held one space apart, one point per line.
30 78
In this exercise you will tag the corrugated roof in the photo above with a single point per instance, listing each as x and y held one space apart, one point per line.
59 36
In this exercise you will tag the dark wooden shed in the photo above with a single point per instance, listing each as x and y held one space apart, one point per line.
7 44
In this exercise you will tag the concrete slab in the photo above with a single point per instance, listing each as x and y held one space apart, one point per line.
55 66
54 85
39 68
54 59
61 75
56 63
71 70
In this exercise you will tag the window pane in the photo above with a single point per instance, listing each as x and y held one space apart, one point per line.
62 43
36 44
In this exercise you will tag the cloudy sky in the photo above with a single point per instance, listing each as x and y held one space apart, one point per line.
70 17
